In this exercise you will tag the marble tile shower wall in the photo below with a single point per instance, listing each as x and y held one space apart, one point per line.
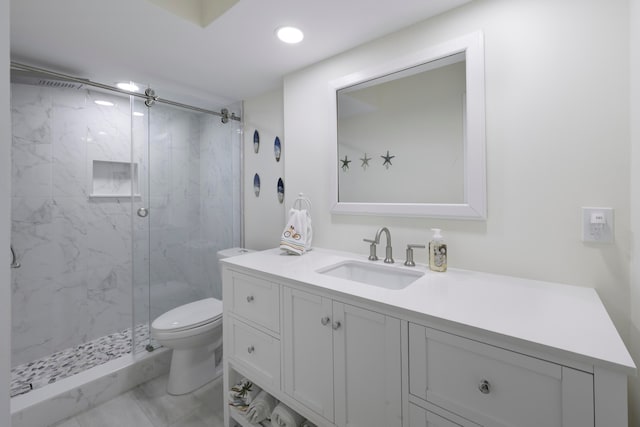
76 251
192 204
219 195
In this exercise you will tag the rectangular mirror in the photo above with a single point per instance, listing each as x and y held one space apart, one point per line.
410 135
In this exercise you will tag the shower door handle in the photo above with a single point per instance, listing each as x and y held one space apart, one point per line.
143 212
14 261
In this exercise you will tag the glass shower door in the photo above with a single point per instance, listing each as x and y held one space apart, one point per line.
192 193
72 183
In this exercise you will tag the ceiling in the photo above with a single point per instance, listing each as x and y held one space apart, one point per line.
236 57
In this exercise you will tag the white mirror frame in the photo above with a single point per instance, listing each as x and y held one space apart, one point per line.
475 206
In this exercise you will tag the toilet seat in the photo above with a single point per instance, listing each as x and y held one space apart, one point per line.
173 339
189 316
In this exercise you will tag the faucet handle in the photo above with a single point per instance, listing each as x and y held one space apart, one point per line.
372 249
409 261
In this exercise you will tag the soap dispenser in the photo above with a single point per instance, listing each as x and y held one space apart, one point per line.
437 252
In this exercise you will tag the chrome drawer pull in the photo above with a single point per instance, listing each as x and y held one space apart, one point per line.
484 387
251 349
336 325
250 298
325 321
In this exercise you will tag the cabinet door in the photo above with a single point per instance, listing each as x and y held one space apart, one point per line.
308 350
367 371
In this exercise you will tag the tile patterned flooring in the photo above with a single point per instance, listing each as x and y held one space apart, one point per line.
149 405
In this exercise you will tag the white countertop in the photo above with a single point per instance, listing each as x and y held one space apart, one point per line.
567 319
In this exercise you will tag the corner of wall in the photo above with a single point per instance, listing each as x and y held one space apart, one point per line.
5 196
634 329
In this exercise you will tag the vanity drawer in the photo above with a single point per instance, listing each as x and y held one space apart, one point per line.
256 300
257 351
486 384
420 417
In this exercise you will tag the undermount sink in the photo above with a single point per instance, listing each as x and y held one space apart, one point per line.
384 276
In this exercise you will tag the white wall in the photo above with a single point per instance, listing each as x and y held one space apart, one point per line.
5 196
264 215
634 331
557 128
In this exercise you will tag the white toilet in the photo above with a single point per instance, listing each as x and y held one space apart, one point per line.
194 332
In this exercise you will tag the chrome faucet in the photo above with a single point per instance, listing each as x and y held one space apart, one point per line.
372 248
388 254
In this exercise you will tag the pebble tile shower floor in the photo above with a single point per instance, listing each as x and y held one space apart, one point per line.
63 364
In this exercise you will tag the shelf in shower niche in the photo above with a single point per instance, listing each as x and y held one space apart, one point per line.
111 196
114 179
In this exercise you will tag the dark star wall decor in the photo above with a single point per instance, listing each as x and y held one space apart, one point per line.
345 163
387 160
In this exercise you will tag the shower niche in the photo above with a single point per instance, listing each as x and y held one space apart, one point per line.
114 179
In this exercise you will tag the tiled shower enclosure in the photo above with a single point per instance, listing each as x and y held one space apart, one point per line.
83 163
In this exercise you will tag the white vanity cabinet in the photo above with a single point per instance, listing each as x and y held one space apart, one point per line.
347 354
339 360
342 361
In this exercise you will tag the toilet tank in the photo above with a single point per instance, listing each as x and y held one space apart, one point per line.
227 253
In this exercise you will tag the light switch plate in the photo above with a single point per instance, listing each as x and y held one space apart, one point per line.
597 225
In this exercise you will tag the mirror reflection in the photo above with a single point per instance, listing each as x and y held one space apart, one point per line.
410 135
401 136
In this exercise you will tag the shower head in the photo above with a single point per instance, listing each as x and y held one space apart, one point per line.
38 79
59 84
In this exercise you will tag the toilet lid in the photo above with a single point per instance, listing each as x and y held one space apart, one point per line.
189 316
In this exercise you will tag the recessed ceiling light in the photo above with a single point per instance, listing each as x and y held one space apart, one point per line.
290 35
128 87
104 103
